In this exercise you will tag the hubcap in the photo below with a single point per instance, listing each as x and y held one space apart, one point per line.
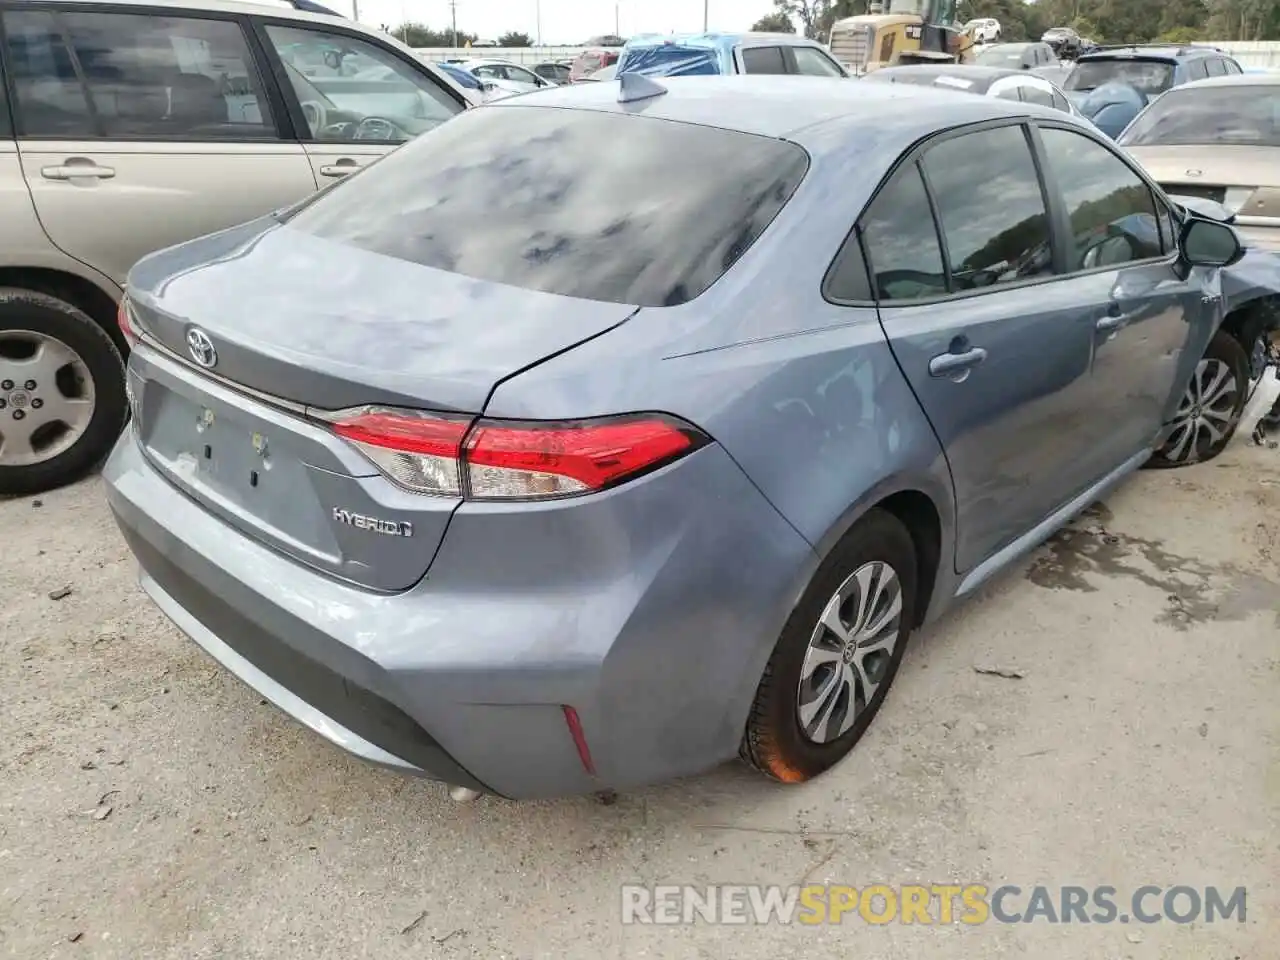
1205 412
849 651
46 397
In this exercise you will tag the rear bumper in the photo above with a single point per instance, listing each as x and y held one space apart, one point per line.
650 609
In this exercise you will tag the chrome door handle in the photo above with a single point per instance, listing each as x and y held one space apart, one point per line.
1114 319
956 364
339 169
68 171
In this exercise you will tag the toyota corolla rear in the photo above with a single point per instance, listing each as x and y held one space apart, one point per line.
316 496
1220 140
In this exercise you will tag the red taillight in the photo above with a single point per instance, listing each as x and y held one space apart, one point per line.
124 319
513 460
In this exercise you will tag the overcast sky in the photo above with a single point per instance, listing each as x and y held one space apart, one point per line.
563 21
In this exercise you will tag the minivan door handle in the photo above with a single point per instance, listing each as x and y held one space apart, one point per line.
1113 319
76 167
339 168
956 365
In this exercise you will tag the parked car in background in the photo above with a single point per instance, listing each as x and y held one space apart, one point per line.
505 75
1017 85
1064 41
1218 139
552 71
486 90
589 61
178 120
373 433
983 30
667 55
1020 56
1111 86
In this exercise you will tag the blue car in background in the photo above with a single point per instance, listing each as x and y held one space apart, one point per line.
711 54
1112 85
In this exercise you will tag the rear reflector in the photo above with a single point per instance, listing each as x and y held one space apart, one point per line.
124 320
513 460
574 723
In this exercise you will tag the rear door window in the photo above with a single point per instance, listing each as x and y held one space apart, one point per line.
903 252
763 60
1037 94
1215 67
989 199
602 206
1196 70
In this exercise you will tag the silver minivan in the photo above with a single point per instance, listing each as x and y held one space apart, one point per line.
127 127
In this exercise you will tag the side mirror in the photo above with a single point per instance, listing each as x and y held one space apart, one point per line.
1205 243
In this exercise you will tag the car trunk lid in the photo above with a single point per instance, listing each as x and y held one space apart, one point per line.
297 327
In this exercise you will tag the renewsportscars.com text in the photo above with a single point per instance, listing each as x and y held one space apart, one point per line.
972 904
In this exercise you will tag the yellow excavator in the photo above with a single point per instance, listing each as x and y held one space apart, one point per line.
909 31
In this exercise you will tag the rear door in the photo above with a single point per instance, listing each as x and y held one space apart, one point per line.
1151 323
140 130
972 307
352 99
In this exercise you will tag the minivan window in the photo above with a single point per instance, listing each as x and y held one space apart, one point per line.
902 245
1112 210
992 208
146 77
812 62
602 206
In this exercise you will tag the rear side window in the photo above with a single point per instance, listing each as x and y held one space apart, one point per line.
1196 70
1231 66
602 206
145 77
992 208
763 60
814 63
1033 94
1112 210
1215 66
903 252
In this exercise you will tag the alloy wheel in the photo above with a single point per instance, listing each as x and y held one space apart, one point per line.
850 652
1204 413
46 397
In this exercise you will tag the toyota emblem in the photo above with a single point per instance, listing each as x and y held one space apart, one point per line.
201 348
1195 173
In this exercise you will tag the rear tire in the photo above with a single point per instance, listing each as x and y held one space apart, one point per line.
1210 407
800 725
59 452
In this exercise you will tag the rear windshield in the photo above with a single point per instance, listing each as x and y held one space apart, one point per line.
603 206
670 60
1148 77
1000 56
1248 116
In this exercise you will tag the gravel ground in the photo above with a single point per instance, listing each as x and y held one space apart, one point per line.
151 806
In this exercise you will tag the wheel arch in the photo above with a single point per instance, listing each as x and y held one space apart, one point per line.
1248 321
96 299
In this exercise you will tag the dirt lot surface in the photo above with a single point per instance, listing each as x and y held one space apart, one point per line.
153 807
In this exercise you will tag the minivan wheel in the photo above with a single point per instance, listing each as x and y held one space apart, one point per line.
1210 407
62 397
837 655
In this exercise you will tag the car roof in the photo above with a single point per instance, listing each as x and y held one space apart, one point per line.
784 106
717 40
1238 80
1139 51
978 73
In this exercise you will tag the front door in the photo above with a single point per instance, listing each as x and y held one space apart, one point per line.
1151 318
356 99
999 363
140 131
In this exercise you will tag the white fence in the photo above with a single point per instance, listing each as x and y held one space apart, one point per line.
1261 54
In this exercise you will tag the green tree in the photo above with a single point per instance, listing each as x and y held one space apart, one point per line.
776 22
515 38
1179 35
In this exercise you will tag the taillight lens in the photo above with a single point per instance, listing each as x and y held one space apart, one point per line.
446 455
124 319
